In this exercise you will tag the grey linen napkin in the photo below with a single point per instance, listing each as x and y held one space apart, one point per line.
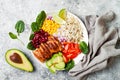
102 41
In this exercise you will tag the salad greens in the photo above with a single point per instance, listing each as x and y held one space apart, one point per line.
30 46
35 26
69 65
20 26
12 35
31 37
40 18
84 47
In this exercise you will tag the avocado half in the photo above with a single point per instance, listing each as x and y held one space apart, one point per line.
16 58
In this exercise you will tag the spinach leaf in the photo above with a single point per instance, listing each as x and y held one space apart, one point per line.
84 47
30 46
40 18
13 36
31 37
20 26
69 65
34 27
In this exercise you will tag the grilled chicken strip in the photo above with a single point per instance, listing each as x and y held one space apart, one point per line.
46 50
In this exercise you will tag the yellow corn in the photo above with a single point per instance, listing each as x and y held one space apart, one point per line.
50 26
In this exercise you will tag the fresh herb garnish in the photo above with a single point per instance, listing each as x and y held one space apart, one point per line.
12 35
30 46
69 65
84 47
20 26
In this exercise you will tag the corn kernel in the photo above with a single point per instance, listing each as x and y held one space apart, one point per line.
50 26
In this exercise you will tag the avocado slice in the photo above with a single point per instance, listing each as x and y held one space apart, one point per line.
49 63
57 59
52 69
60 66
56 63
16 58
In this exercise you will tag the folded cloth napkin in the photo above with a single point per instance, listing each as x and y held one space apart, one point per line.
102 41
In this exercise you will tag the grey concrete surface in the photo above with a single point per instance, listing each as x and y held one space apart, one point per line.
27 10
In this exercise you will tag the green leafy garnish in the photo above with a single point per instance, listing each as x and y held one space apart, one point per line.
20 26
30 46
12 35
40 18
69 65
31 37
34 27
84 47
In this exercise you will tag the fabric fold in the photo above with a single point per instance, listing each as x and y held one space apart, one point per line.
102 41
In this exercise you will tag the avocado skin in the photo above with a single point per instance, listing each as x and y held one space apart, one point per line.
30 64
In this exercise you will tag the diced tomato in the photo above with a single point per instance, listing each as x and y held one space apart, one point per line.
73 56
64 51
66 46
69 55
70 51
71 45
65 59
77 51
76 46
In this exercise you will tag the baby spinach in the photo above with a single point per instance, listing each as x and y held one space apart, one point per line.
34 27
12 35
40 18
69 65
20 26
30 46
84 47
31 37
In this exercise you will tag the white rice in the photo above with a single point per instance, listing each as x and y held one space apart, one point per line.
71 31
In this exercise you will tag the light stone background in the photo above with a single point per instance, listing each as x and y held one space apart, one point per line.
27 10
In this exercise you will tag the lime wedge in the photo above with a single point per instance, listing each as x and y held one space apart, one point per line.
58 20
63 14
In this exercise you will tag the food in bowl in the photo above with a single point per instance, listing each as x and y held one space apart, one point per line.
56 38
